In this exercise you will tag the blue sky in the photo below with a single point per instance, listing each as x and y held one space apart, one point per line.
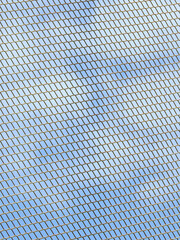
89 120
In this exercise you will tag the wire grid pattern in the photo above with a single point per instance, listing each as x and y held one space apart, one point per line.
89 119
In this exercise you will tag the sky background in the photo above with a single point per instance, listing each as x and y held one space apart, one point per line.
89 120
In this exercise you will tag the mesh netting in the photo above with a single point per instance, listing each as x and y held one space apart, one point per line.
89 120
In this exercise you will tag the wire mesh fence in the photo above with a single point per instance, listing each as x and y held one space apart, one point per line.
89 119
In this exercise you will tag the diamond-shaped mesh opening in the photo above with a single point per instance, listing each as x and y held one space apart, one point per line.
89 120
